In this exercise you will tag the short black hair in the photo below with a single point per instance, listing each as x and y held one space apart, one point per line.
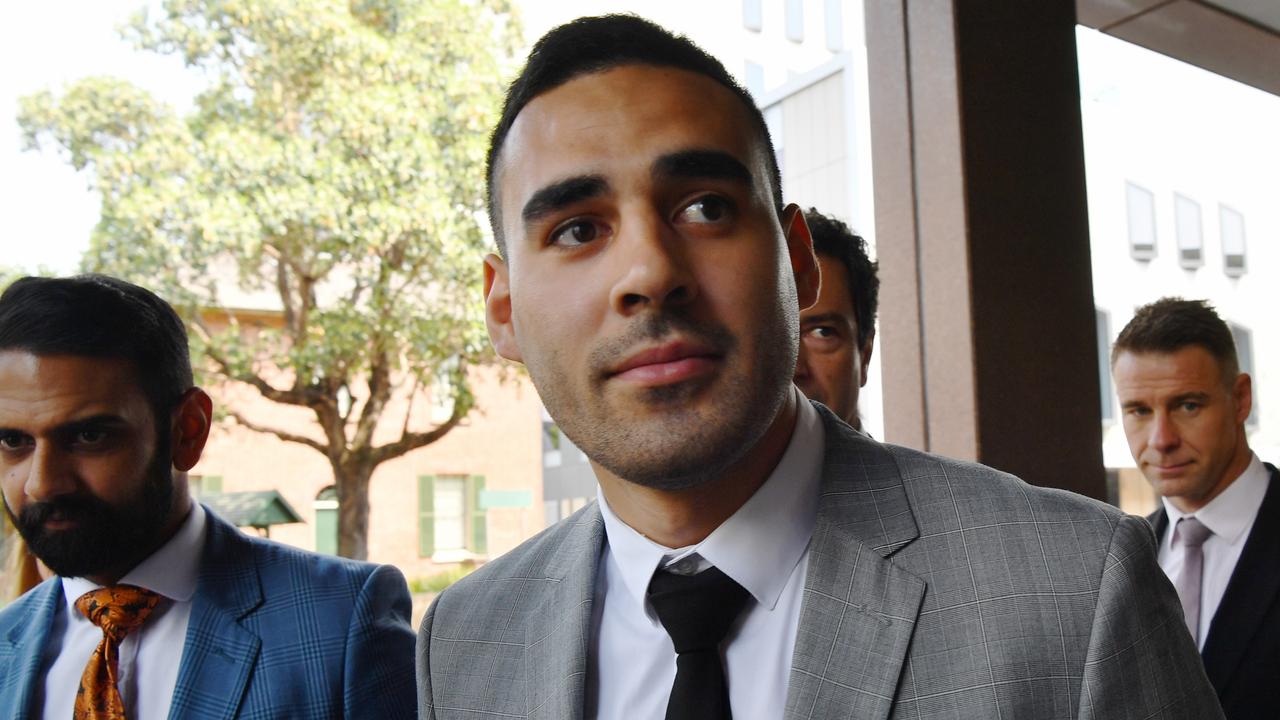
595 44
102 317
833 238
1171 324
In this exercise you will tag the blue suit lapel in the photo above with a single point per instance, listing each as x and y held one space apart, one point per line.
22 649
558 638
859 610
220 653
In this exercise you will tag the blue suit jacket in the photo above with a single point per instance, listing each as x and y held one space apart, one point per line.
275 632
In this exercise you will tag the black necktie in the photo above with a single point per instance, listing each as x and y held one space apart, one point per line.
697 612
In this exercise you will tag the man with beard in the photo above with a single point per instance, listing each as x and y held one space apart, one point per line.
159 608
750 555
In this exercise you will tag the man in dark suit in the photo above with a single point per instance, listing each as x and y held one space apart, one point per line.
159 609
1185 403
749 553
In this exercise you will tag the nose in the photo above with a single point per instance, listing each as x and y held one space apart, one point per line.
47 474
1164 433
654 270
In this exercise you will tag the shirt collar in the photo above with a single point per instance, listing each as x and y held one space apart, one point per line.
170 571
1232 512
759 545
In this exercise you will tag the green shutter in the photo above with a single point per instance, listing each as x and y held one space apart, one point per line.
327 531
479 516
211 484
426 515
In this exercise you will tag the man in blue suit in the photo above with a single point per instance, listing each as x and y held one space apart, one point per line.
159 608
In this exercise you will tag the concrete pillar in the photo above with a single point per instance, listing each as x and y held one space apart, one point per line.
987 335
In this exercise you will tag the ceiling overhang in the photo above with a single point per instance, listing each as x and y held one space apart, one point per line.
1238 39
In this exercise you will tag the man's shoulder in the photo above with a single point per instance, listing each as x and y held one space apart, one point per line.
230 552
937 486
546 557
29 605
930 479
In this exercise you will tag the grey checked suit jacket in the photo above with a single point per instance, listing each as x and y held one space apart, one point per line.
935 589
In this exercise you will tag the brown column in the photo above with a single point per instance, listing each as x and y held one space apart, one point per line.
987 332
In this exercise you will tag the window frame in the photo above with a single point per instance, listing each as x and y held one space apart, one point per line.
1136 251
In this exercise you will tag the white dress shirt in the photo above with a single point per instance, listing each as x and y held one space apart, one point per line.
763 547
1230 517
150 655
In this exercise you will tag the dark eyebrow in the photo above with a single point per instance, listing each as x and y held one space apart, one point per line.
702 164
561 194
828 318
1197 396
93 422
102 421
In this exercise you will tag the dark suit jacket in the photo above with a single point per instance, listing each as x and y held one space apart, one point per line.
1242 653
936 590
275 632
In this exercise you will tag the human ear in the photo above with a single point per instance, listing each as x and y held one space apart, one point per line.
190 431
866 351
1242 393
804 263
497 308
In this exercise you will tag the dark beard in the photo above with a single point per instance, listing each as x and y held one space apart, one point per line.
107 538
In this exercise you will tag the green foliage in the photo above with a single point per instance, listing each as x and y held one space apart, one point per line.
9 273
440 581
333 165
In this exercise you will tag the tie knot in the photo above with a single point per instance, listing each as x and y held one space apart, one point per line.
1192 532
696 610
118 609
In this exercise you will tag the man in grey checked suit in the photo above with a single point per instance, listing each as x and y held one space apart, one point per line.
99 424
650 280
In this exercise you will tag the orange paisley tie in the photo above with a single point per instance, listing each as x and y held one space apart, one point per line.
118 611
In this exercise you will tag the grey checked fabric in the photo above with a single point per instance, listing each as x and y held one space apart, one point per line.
935 590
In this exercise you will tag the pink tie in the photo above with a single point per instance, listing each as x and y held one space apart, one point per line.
1191 534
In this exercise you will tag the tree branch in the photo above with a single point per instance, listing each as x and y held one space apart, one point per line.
282 434
408 411
379 392
413 441
268 391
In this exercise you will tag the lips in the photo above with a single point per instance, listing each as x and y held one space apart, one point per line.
1167 469
667 363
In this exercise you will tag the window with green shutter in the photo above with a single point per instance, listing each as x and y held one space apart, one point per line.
451 518
426 515
479 538
326 509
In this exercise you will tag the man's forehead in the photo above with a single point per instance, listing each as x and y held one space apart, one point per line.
68 380
1187 366
562 132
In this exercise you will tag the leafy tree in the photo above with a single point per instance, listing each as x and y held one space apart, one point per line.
8 274
333 164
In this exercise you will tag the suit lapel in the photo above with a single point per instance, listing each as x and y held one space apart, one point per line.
220 653
859 609
1159 522
1251 592
557 638
22 650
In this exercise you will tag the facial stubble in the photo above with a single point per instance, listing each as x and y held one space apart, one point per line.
675 441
